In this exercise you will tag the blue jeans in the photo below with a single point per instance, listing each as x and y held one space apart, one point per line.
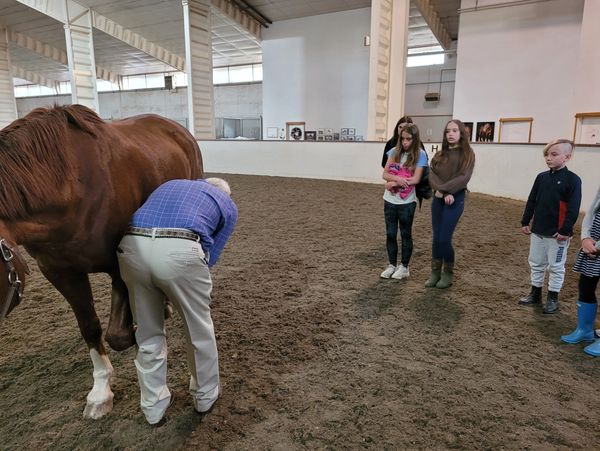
402 215
444 219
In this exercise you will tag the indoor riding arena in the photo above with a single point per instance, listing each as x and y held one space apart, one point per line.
322 116
316 351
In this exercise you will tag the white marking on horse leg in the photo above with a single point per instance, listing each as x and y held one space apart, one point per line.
100 398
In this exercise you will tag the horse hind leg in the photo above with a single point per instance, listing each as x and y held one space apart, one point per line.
120 334
75 287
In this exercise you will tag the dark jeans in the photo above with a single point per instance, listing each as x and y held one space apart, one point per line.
402 215
444 219
587 288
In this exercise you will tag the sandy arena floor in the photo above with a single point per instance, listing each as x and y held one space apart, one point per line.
317 352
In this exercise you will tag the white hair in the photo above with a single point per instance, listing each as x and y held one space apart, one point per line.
219 183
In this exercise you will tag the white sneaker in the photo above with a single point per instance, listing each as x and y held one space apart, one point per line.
387 272
401 272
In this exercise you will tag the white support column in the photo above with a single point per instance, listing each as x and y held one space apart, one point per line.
198 66
80 54
398 54
387 66
8 106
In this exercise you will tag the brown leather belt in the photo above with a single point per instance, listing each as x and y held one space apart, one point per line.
163 233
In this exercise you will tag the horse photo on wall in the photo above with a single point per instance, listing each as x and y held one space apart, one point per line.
469 130
485 131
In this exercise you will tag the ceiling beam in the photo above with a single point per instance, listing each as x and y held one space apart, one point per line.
136 41
432 18
55 54
55 9
33 77
239 15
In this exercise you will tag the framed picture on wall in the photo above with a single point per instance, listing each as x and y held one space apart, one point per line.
272 132
294 131
515 129
469 130
320 131
310 135
485 131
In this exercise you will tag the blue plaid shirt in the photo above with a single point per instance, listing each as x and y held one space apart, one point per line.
194 205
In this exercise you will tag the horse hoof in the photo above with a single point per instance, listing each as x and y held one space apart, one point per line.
95 411
120 341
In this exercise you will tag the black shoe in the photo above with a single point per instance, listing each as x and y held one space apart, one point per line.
209 410
534 297
552 305
163 420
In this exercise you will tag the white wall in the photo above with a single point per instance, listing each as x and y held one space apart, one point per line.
587 85
519 61
506 170
238 101
316 70
431 117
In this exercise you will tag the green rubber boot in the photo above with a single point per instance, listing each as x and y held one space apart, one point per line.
447 276
436 270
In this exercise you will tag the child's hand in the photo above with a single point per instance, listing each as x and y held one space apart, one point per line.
560 238
526 230
400 181
390 185
589 247
449 199
439 194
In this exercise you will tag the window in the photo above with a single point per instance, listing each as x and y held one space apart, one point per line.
220 75
425 56
246 73
237 74
103 86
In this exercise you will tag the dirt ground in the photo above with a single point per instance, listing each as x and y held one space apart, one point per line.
318 352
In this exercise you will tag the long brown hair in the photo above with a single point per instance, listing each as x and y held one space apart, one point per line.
412 154
463 146
402 120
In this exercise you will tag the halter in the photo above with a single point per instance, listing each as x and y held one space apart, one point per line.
13 277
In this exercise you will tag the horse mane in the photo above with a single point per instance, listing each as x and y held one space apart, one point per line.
36 158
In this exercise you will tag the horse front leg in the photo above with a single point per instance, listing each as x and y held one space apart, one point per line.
75 287
120 334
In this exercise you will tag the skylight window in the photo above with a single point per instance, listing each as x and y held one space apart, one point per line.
425 60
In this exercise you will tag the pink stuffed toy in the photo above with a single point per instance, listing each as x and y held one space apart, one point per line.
402 172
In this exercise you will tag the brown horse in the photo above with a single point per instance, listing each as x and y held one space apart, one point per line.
69 183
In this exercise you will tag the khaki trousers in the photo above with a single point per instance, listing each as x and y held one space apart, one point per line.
155 269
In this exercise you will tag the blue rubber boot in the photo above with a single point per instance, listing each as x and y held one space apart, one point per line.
586 314
593 349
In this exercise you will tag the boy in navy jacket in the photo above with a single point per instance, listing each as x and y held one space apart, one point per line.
550 214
